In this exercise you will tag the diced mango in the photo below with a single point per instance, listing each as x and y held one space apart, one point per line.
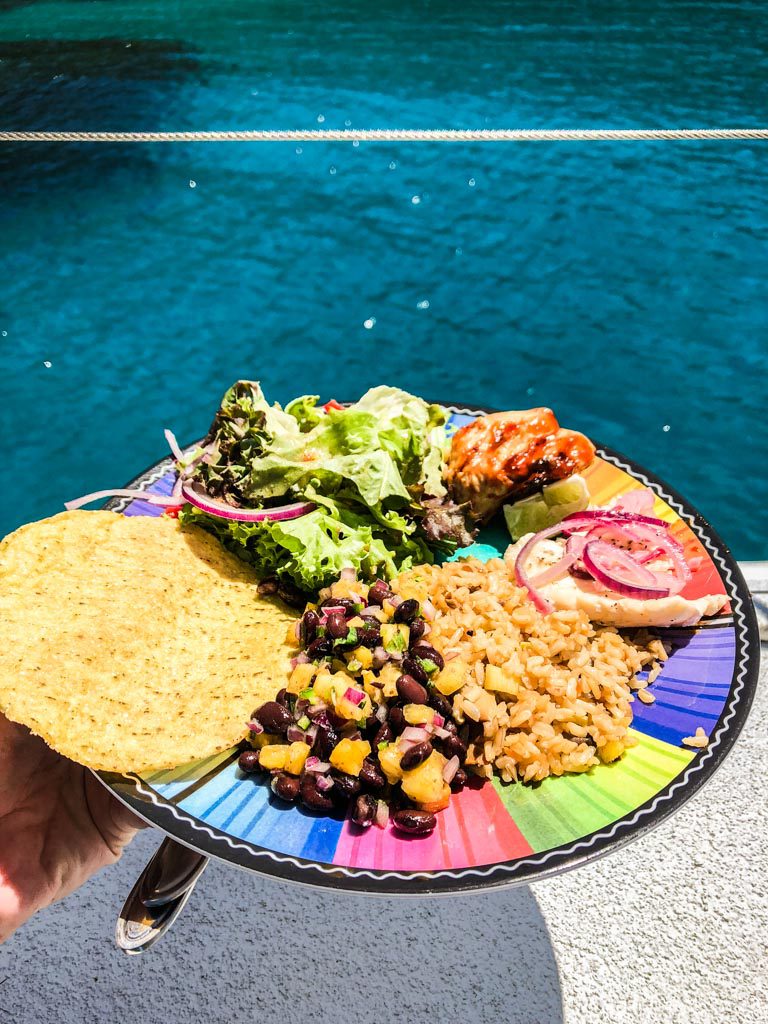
290 637
348 755
418 714
413 589
452 677
351 589
394 637
297 755
388 608
389 759
611 751
362 655
274 755
346 708
388 679
301 678
425 783
264 739
355 622
323 685
433 806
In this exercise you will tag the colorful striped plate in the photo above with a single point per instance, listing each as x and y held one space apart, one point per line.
493 834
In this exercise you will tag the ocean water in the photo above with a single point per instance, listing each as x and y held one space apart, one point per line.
622 284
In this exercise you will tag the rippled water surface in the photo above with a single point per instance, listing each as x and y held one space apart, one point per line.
622 284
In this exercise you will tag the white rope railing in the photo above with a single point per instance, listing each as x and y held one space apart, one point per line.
402 135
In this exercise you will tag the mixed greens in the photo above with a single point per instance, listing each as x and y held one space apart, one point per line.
370 475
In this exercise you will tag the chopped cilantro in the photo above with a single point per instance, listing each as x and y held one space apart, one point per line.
383 745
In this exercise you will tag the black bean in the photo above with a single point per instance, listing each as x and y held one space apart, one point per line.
325 741
308 629
274 717
413 667
410 691
347 785
369 636
418 629
422 650
397 720
459 781
406 611
384 734
285 786
378 593
291 594
311 796
268 587
320 648
248 762
440 704
450 726
336 626
418 823
282 697
339 602
579 739
364 810
415 755
453 747
372 776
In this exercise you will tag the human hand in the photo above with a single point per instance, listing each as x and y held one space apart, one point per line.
58 826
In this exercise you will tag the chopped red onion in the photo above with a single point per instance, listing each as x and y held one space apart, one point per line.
451 768
395 600
414 734
428 610
316 766
297 629
442 734
302 659
295 734
380 658
317 709
311 734
348 574
256 727
381 713
382 814
324 783
438 720
373 611
354 696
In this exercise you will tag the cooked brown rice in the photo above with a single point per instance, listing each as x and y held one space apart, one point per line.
562 700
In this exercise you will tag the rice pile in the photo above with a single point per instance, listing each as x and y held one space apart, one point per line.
549 693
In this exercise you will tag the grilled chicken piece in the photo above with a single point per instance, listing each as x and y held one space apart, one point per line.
506 456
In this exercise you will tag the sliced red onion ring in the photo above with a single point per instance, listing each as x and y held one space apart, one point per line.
451 768
591 516
163 500
681 572
640 501
220 509
554 572
521 576
618 571
174 445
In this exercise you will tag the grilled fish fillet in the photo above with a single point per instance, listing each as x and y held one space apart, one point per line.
506 456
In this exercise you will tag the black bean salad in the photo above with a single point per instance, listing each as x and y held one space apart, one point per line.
364 725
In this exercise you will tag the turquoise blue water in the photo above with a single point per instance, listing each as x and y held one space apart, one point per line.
622 284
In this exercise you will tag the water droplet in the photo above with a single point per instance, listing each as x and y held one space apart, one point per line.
299 150
530 391
415 200
665 428
459 251
47 364
423 304
471 182
347 123
331 170
392 165
320 118
192 184
356 143
5 334
369 323
254 92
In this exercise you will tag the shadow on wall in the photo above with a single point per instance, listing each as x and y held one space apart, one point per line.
247 949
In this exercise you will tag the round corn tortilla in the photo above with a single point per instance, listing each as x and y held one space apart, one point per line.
133 643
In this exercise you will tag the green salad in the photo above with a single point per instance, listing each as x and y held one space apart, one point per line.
357 486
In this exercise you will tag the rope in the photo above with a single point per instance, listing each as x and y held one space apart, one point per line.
402 135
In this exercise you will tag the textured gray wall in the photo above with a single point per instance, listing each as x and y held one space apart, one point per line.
671 930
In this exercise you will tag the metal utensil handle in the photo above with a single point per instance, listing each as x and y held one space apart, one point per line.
158 896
